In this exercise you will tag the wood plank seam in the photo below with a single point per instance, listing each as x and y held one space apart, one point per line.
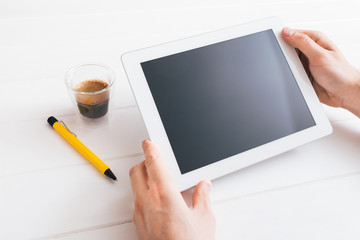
287 187
85 163
59 116
126 221
74 232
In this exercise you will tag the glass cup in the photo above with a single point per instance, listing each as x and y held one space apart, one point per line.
90 86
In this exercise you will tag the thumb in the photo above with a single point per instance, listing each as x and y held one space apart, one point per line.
304 43
201 196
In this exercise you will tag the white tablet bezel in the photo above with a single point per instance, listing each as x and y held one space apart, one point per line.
131 62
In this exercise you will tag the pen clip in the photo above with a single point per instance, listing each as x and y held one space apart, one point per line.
67 128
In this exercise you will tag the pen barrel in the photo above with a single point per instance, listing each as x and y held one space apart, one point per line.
80 147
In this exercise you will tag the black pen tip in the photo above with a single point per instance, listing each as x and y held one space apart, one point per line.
110 174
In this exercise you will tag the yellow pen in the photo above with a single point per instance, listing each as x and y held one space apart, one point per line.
72 139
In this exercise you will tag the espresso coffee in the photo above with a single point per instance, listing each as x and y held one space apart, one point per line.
91 100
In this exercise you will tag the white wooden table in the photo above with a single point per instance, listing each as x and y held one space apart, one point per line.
48 191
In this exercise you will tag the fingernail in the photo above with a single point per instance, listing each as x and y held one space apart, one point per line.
288 32
143 143
208 185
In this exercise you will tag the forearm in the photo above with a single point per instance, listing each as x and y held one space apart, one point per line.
352 100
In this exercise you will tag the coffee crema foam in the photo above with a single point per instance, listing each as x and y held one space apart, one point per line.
91 86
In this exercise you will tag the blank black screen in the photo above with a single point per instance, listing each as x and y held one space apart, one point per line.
223 99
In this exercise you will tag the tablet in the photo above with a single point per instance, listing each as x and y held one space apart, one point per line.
221 101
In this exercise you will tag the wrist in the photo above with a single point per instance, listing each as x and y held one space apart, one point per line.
352 99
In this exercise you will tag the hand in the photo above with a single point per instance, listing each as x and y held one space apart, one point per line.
160 210
335 81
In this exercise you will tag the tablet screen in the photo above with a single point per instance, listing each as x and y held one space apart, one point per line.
226 98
